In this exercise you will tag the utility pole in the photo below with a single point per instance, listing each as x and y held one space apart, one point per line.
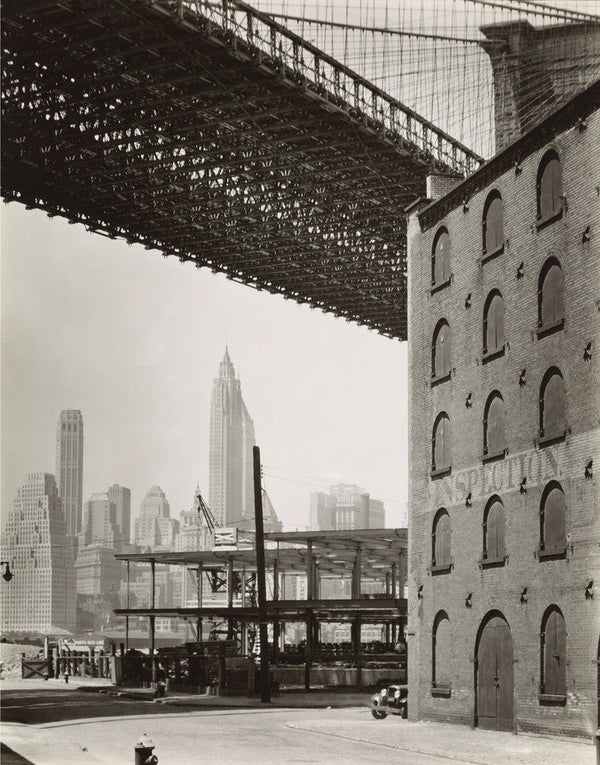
265 681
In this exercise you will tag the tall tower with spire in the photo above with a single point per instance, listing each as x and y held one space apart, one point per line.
231 488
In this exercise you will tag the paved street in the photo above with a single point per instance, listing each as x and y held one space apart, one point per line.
184 733
37 707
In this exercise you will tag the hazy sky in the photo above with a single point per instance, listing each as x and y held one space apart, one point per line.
134 341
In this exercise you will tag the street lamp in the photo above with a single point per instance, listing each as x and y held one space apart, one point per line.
7 575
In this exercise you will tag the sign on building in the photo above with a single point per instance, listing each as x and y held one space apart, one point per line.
226 539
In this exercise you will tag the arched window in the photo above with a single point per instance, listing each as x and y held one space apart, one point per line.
553 658
440 258
552 406
440 349
549 187
551 295
441 454
493 230
494 441
493 324
441 655
440 540
493 531
553 510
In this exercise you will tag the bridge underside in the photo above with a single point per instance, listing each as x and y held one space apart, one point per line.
167 131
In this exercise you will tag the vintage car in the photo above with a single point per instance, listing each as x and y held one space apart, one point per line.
390 700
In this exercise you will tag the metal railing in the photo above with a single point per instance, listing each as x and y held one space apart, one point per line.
270 44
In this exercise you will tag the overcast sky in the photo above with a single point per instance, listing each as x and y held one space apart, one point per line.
134 341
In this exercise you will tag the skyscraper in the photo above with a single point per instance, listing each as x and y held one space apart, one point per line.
121 496
41 594
69 467
99 522
347 506
155 528
231 486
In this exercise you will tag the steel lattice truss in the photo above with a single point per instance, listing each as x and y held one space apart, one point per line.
210 132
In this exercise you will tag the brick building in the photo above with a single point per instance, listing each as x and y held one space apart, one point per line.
504 364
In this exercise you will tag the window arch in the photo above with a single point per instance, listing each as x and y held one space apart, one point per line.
441 540
440 350
494 440
441 654
493 324
493 530
440 258
553 653
441 456
493 227
552 405
549 187
553 511
550 294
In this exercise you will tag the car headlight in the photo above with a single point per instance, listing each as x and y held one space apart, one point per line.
397 695
384 691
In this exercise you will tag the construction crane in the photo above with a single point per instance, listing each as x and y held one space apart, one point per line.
203 508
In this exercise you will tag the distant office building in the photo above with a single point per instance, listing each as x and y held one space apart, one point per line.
155 528
99 525
270 520
98 572
347 506
194 534
69 467
231 472
121 496
41 595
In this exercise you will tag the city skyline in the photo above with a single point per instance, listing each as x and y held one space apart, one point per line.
327 396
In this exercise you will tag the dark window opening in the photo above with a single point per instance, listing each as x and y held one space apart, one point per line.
440 259
440 541
441 454
549 188
440 361
553 535
441 656
494 441
551 296
553 685
552 406
493 532
493 324
493 229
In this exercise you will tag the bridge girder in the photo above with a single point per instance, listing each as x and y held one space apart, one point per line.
151 121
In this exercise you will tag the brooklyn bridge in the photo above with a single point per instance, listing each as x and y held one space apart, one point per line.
244 140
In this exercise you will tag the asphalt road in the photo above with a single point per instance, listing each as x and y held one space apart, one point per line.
54 726
38 707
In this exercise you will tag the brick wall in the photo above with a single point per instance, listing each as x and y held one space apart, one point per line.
515 272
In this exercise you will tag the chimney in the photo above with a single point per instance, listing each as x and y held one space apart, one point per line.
440 184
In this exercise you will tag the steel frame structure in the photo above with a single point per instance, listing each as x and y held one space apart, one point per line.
376 555
210 132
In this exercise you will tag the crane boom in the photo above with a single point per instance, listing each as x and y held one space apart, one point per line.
203 508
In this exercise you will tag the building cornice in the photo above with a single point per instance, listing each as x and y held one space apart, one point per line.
569 115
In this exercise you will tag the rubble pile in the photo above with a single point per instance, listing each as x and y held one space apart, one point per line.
10 658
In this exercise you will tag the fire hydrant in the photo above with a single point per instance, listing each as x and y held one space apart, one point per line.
143 751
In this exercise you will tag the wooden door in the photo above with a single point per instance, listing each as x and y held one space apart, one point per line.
495 676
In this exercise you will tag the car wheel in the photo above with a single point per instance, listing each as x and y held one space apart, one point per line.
404 713
379 714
